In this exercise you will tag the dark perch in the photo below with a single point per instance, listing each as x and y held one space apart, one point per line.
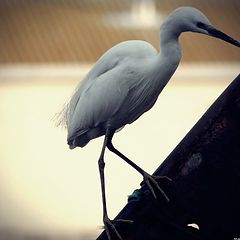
205 168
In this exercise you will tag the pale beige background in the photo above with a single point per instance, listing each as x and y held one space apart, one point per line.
45 186
46 49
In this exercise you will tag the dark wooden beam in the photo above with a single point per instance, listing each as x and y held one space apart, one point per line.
205 169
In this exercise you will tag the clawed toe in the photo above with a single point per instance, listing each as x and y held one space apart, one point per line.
122 221
109 224
151 182
162 177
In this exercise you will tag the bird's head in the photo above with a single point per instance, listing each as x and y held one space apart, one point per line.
189 19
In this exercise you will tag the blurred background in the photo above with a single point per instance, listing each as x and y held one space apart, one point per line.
46 47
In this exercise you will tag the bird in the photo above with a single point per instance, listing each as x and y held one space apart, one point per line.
123 84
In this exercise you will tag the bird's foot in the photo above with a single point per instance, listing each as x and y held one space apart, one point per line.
109 225
151 181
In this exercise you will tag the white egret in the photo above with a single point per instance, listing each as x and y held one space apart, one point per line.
125 83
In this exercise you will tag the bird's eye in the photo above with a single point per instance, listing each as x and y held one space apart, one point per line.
200 25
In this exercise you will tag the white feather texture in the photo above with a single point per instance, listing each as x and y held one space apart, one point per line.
127 80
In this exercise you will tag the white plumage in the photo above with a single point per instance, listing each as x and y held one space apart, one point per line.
126 82
115 87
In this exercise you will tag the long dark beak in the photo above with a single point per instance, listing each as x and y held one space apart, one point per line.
219 34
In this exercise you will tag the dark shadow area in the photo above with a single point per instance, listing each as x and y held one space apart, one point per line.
205 169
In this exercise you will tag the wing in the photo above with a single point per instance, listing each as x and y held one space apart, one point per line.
103 65
98 101
103 91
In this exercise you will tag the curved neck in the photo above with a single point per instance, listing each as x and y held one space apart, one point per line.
167 61
170 49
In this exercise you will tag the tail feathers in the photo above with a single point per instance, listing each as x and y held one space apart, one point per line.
77 143
82 138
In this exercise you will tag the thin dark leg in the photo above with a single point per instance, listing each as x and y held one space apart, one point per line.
107 222
148 179
101 166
